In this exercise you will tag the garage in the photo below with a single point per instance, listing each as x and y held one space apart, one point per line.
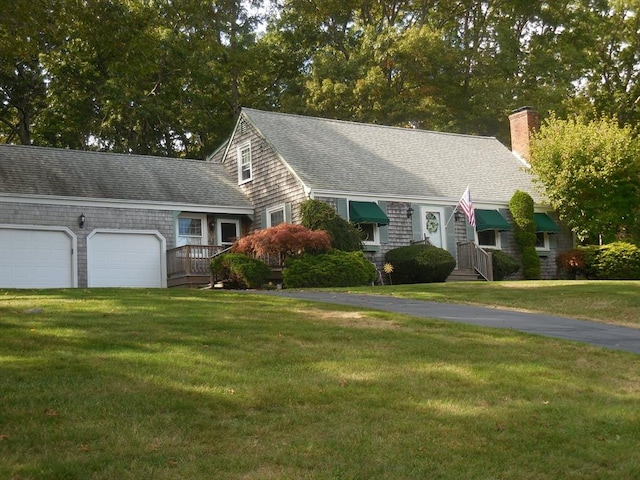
117 258
37 257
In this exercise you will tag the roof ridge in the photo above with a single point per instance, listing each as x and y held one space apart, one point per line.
133 156
364 124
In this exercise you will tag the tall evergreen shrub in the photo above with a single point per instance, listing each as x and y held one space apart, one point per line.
317 215
521 206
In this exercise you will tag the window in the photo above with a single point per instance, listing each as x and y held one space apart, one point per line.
244 163
368 232
542 241
367 216
489 238
191 230
275 216
228 231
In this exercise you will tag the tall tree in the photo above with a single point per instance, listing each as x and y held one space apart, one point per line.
590 171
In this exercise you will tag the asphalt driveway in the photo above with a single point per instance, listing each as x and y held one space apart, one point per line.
600 334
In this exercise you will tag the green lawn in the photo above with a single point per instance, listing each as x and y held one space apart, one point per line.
177 384
616 302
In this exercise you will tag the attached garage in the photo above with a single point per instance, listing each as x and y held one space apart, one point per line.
37 257
117 258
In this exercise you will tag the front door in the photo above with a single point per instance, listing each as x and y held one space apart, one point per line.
432 225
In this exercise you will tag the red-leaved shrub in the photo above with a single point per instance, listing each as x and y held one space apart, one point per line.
285 239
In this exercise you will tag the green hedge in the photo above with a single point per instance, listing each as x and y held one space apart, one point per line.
503 265
613 261
238 270
334 269
420 264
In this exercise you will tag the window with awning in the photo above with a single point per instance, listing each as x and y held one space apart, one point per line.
491 220
367 212
545 224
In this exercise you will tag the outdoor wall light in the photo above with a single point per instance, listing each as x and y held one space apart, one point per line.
409 212
81 220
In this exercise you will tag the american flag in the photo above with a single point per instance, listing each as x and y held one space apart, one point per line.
467 207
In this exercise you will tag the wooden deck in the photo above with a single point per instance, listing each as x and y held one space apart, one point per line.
189 265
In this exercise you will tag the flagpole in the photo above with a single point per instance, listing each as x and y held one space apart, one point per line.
454 210
452 214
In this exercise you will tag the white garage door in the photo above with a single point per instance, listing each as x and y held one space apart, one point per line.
36 257
126 259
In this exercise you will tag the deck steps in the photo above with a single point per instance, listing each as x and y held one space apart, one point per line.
464 275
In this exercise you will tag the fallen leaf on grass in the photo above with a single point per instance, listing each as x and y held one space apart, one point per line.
4 437
84 447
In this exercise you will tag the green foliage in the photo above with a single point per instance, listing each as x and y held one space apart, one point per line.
613 261
616 261
590 171
503 265
531 264
169 77
239 271
333 269
420 264
521 207
317 215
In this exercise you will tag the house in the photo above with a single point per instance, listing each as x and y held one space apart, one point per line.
399 185
76 218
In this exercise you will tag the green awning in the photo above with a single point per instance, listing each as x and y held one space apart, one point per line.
367 212
544 223
490 220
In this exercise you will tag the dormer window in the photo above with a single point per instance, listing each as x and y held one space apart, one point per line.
245 173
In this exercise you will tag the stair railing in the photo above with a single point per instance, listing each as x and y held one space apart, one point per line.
471 256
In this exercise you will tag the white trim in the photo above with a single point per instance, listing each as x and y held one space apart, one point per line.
436 201
156 233
220 220
278 208
65 230
497 246
204 238
547 245
115 203
239 150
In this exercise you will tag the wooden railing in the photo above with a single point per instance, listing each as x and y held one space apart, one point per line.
471 256
191 259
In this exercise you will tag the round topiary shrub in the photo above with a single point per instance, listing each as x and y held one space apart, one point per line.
237 270
420 264
333 269
503 265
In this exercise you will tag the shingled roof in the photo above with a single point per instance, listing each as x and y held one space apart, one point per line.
378 160
36 171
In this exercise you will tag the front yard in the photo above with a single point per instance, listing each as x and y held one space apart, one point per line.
166 384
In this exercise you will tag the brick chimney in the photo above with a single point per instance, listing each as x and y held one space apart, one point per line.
523 122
